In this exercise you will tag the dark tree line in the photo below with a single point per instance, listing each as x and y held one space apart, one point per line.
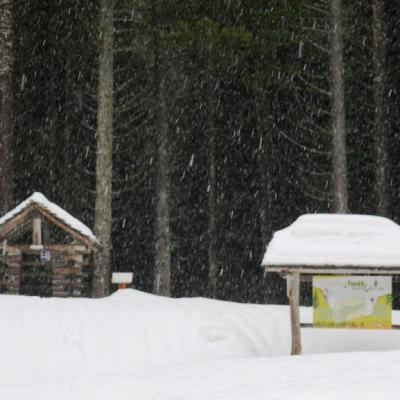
187 132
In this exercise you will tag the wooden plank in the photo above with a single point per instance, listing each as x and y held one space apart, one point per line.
13 251
307 325
60 284
54 248
68 229
59 293
20 230
14 224
333 270
35 263
293 293
37 231
80 248
309 277
45 232
13 269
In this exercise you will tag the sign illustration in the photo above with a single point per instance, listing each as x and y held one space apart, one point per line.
353 302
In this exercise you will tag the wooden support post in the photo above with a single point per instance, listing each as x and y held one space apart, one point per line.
293 293
45 232
37 232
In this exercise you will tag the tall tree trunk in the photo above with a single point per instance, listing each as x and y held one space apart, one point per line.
264 176
264 168
162 276
264 163
6 118
381 152
68 177
103 210
339 165
211 172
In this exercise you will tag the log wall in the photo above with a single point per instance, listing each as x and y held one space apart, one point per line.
70 266
10 272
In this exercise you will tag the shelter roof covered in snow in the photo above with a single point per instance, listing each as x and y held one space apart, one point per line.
335 240
52 212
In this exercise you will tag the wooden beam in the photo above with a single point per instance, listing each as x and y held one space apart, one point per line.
12 224
57 248
19 231
75 234
37 231
45 232
311 326
308 278
293 293
334 270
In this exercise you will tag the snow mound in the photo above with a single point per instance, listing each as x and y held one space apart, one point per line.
336 240
137 346
130 331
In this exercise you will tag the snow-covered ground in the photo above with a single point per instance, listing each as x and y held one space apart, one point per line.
136 346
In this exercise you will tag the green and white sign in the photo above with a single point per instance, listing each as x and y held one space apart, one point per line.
353 301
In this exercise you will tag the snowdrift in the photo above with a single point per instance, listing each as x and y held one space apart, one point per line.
137 346
47 338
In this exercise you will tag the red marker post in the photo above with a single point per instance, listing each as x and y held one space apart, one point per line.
122 279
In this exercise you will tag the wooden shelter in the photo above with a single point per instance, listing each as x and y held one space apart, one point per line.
331 244
45 251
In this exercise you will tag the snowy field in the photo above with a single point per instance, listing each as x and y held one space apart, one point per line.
136 346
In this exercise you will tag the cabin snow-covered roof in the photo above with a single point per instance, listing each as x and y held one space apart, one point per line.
336 240
54 210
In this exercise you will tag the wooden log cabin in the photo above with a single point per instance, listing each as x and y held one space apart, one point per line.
45 251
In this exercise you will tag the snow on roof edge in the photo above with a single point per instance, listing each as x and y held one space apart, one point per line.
55 210
329 240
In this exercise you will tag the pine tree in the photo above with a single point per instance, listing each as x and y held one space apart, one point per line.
162 278
211 173
338 111
104 136
380 121
6 117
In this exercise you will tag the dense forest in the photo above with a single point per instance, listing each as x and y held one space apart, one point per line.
187 132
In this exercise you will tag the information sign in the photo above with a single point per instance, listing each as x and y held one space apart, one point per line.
353 301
